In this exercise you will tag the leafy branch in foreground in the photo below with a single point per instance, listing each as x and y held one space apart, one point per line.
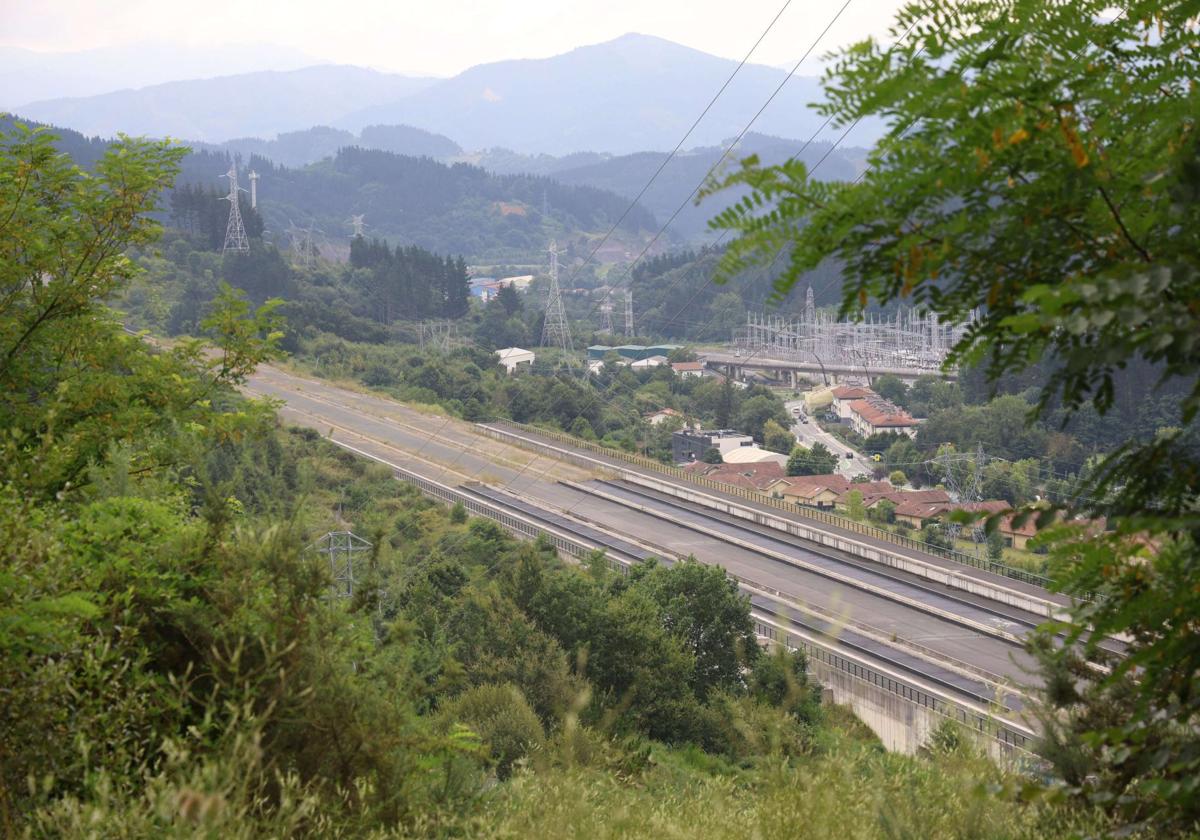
1042 171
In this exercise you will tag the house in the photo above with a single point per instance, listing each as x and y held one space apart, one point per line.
690 444
753 455
685 369
925 505
512 357
767 478
843 395
656 418
876 416
819 491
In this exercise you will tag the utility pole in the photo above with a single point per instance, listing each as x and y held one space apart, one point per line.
235 231
629 312
555 331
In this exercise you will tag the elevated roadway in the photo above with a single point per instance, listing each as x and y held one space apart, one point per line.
896 641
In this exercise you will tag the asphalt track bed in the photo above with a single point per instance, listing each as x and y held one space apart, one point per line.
973 689
779 539
941 562
862 573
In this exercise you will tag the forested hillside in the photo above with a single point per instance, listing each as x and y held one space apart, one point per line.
458 208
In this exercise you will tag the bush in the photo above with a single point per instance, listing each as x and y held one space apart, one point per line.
503 718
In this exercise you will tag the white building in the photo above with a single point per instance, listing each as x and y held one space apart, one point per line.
649 362
753 455
512 357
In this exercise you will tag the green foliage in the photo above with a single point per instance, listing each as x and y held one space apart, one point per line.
854 505
816 461
777 438
1042 167
712 455
995 546
897 477
503 718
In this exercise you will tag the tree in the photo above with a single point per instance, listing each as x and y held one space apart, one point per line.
884 511
816 461
1042 169
891 388
854 505
776 438
995 546
509 299
701 606
712 455
897 478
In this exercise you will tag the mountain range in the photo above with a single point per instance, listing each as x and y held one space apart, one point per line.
630 94
31 76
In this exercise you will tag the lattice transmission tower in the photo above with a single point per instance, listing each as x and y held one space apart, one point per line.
235 231
347 554
606 309
629 312
555 332
358 224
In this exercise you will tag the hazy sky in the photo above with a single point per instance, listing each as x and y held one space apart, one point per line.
441 37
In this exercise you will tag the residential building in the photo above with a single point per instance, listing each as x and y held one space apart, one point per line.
767 478
689 445
655 418
820 491
877 415
843 395
513 357
688 368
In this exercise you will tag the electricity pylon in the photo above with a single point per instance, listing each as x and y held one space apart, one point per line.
235 231
555 331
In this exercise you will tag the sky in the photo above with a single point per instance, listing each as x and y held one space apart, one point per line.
443 37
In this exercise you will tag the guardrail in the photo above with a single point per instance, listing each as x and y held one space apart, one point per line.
799 510
985 724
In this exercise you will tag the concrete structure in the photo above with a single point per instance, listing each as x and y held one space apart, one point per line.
690 445
843 395
878 416
753 455
520 282
649 362
513 357
686 369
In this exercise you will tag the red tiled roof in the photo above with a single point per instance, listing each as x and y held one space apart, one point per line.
882 417
757 476
851 392
807 486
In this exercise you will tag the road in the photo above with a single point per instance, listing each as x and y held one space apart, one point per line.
810 433
453 452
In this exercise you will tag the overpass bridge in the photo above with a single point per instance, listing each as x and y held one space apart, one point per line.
736 363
